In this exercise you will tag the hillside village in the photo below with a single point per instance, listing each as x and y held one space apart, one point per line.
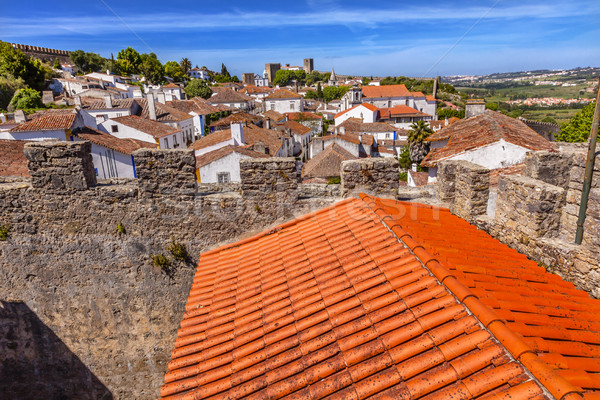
261 241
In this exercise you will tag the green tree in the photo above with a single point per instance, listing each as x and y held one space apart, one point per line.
579 127
56 63
16 64
185 65
8 86
129 61
404 158
418 148
334 92
26 99
310 94
173 70
283 77
449 113
319 91
87 62
197 87
224 71
151 68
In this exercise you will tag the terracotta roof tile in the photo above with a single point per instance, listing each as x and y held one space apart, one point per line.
125 146
236 118
12 158
164 113
548 325
91 103
189 106
327 163
367 127
252 135
351 137
400 111
226 95
274 115
214 155
283 94
368 106
297 127
296 116
385 91
154 128
48 121
332 304
482 130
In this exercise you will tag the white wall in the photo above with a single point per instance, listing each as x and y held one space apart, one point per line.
496 155
358 112
213 147
109 163
35 135
284 105
230 163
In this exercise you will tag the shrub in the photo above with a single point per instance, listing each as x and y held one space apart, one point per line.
403 176
178 251
334 180
121 229
162 262
4 232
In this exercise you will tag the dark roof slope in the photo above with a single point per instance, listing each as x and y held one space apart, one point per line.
214 155
226 95
484 129
333 305
154 128
238 117
164 113
125 146
327 163
48 121
12 158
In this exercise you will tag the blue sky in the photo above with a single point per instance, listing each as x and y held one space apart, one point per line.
380 38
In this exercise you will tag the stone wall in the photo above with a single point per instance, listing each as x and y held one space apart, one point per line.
79 261
446 178
471 190
378 176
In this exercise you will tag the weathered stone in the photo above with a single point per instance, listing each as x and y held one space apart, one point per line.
471 190
372 176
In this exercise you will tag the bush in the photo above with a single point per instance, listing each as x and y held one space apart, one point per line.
178 251
26 99
121 229
403 176
4 232
335 180
162 262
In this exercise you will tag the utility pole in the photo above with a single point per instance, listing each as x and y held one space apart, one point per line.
589 170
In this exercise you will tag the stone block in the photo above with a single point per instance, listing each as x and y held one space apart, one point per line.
471 191
170 173
374 176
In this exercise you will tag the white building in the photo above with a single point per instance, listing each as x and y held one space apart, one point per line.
261 81
198 73
111 155
230 98
160 112
50 124
365 112
283 101
145 130
223 165
102 109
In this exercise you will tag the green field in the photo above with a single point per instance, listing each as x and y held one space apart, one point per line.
529 91
561 116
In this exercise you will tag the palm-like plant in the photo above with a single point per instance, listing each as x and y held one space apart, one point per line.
418 148
186 65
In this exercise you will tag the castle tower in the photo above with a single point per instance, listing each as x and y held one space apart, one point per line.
308 65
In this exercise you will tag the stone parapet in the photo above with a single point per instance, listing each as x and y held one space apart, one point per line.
378 176
549 166
269 178
169 173
472 190
446 179
60 166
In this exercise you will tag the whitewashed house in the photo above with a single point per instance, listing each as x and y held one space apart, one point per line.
283 101
145 130
111 155
102 109
230 98
198 73
223 165
160 112
365 112
50 124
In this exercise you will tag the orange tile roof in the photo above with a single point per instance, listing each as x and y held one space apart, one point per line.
252 135
327 163
335 304
297 127
294 116
482 130
214 155
282 94
226 95
385 91
164 113
545 322
368 106
238 117
153 128
400 111
48 121
125 146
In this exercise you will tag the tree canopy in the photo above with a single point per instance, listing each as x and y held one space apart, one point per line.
151 68
13 63
334 92
418 148
26 98
579 127
87 62
285 77
197 87
129 61
173 69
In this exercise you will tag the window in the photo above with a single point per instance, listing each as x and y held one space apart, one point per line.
166 143
223 177
272 106
114 128
292 106
387 135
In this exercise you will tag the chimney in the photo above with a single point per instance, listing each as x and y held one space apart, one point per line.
414 167
160 97
108 101
77 100
151 106
268 123
2 118
360 137
474 108
342 130
237 134
20 117
316 146
295 85
446 121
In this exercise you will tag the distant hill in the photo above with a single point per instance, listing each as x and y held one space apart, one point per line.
579 75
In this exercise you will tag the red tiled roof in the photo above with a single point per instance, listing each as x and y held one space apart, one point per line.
12 158
351 125
92 103
400 111
351 137
368 106
297 127
429 98
236 118
282 94
226 95
545 322
153 128
333 305
172 86
385 91
327 163
48 121
252 135
214 155
417 94
485 129
274 115
164 113
125 146
295 116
